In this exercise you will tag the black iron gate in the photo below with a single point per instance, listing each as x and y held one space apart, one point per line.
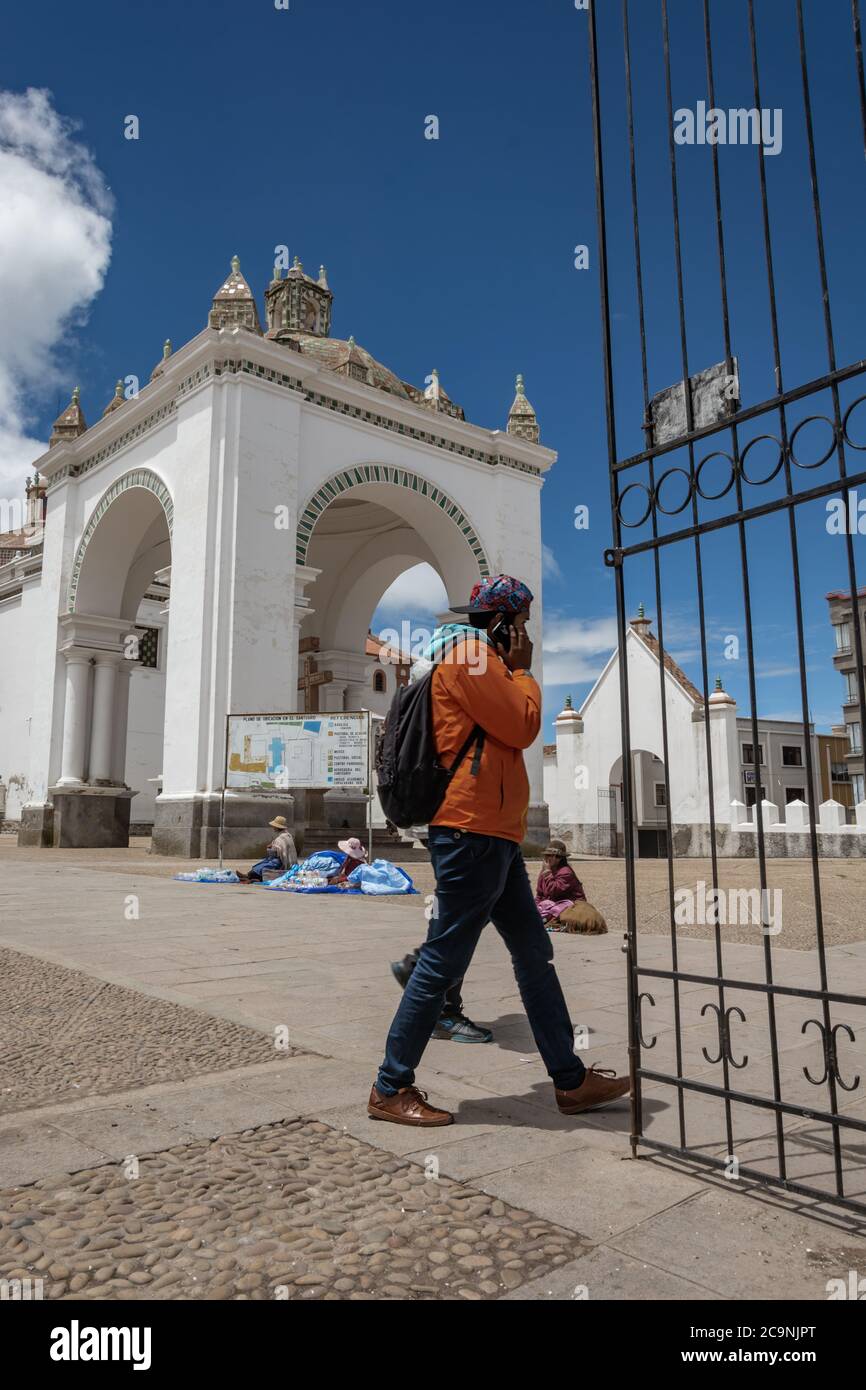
718 488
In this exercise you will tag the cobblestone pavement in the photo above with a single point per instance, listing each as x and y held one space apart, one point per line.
65 1035
294 1210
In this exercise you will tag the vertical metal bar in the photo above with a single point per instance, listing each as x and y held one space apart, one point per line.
798 603
628 803
831 355
858 58
649 441
687 388
726 330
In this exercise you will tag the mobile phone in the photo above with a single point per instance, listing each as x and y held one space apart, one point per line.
500 632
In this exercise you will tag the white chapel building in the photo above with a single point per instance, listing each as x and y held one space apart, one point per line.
217 541
673 793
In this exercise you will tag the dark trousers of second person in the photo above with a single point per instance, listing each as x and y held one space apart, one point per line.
453 1004
480 879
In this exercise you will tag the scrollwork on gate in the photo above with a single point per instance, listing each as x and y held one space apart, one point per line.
724 1024
831 1056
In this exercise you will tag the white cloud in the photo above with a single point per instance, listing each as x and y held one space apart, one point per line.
549 564
417 591
55 245
576 650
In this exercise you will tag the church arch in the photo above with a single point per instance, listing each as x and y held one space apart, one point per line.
141 479
367 473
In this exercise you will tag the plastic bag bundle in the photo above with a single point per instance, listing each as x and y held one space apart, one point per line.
381 877
209 876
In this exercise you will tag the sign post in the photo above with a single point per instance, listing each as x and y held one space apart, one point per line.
272 752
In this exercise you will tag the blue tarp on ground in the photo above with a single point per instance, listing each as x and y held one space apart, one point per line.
380 877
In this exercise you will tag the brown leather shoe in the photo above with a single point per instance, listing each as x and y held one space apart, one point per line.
407 1107
600 1086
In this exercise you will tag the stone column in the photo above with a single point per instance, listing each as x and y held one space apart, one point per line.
75 719
102 728
121 717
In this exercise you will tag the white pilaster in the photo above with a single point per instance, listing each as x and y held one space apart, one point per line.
102 726
121 718
75 719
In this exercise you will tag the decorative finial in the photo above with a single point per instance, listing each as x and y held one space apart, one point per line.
641 611
521 390
351 340
296 264
236 264
166 348
719 685
118 389
568 704
323 276
76 395
278 271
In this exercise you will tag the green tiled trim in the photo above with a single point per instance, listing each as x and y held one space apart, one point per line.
139 477
289 383
76 470
383 473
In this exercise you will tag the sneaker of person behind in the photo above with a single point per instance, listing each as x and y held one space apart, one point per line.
459 1028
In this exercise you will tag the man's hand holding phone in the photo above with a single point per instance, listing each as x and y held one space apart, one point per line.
517 654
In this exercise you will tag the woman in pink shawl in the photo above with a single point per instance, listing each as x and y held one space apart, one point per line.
558 886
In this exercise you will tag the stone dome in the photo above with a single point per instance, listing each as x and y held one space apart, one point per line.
350 359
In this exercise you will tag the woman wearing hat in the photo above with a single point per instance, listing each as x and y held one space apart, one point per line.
558 886
355 855
280 854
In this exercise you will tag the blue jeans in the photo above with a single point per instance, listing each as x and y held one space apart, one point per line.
480 879
271 861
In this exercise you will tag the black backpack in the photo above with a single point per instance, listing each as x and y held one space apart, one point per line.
412 781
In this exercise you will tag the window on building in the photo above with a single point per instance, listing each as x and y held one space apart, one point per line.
749 753
792 755
854 737
794 794
853 690
843 636
840 772
750 795
148 647
857 785
379 682
661 798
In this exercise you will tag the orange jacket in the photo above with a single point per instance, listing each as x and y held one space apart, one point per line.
474 686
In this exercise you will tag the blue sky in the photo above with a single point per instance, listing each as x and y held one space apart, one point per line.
305 127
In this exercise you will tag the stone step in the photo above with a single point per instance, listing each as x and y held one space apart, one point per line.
385 844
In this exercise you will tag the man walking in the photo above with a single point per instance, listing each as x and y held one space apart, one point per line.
484 681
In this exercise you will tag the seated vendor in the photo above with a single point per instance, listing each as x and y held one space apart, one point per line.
355 856
558 885
281 853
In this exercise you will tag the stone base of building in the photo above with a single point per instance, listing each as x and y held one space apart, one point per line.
538 830
694 842
188 827
36 828
91 817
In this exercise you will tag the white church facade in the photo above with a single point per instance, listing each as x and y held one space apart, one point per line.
218 543
583 771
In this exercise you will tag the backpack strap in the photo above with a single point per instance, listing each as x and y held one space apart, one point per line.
479 749
477 737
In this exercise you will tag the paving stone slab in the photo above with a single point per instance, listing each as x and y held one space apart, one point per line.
744 1244
605 1274
595 1187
